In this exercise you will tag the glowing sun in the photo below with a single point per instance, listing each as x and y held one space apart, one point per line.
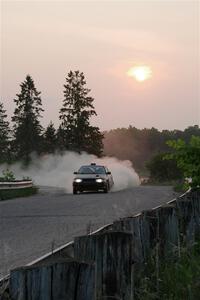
140 73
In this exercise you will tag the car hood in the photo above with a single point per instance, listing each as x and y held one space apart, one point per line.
85 176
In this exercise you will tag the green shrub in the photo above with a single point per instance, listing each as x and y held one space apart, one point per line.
179 278
187 157
8 175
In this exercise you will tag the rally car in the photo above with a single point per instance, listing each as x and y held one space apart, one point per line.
92 178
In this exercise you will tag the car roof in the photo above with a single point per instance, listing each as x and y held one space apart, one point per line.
93 166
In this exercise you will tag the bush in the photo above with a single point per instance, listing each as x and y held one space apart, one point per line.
187 157
162 170
8 175
179 278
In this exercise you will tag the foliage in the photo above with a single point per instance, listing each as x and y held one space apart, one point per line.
141 145
27 128
50 139
163 170
187 156
179 278
26 178
4 135
75 116
180 187
11 194
8 175
61 139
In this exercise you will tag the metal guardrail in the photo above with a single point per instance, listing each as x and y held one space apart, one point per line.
12 185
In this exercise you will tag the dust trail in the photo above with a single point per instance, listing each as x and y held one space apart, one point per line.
57 170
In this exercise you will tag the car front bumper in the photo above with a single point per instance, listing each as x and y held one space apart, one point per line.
89 186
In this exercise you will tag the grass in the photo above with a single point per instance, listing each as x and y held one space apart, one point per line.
179 278
15 193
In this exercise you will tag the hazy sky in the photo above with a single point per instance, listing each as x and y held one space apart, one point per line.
104 39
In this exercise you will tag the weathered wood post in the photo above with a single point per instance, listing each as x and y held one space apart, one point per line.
133 226
114 265
69 280
168 230
112 254
188 210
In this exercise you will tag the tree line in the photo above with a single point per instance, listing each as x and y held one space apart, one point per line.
145 148
27 135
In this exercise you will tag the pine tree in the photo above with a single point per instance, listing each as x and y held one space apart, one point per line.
50 139
75 116
61 139
4 136
27 127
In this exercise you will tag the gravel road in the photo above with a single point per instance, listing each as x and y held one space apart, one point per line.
30 227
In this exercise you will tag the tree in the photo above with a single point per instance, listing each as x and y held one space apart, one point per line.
75 116
61 139
27 127
4 135
187 156
163 170
141 145
50 139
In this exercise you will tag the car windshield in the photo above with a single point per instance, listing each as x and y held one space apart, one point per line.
92 170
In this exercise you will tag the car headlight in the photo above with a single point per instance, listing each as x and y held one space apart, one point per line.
78 180
99 180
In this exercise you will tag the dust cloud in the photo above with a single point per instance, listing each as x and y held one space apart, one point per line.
57 170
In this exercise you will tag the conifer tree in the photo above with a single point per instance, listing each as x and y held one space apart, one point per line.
75 116
26 119
50 139
61 139
4 136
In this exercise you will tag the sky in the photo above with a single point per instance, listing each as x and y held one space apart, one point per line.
104 39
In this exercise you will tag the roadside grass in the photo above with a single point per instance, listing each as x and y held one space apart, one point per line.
16 193
175 279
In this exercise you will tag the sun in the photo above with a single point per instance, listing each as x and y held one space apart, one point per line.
140 73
